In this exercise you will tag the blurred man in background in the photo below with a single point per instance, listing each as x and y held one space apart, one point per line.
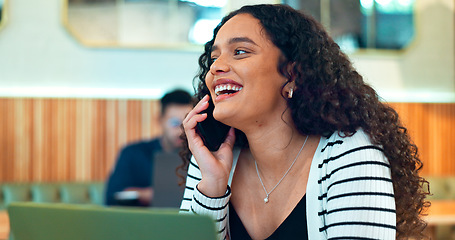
131 181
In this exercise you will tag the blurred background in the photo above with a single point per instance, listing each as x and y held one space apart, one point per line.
79 79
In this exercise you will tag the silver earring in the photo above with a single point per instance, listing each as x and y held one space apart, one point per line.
291 91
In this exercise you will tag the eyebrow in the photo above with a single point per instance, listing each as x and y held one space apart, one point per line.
236 40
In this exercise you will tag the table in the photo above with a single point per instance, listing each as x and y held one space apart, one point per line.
441 212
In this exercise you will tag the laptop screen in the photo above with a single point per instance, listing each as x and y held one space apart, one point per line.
167 192
43 221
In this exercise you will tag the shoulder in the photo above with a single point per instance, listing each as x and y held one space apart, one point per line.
153 143
350 148
339 142
143 145
338 139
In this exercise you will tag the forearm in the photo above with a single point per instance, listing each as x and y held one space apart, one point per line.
196 202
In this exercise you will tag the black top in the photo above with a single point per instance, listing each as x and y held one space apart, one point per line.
133 168
293 227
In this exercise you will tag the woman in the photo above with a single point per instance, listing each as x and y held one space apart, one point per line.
314 154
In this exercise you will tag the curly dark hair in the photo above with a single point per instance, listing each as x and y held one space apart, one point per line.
331 96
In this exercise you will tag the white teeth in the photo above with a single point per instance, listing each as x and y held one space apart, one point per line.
224 87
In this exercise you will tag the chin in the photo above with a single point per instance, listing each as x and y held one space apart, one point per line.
228 120
229 113
221 116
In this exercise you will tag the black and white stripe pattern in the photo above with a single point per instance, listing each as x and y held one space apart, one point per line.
197 203
349 192
355 189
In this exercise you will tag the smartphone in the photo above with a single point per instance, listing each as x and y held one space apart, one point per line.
212 132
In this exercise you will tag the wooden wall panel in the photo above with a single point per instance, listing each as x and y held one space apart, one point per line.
78 139
69 139
432 127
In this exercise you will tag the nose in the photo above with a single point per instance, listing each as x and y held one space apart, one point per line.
219 66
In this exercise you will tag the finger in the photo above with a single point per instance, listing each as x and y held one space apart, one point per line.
190 130
193 117
190 126
191 122
230 139
200 106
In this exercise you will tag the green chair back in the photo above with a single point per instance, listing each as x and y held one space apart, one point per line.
2 199
439 189
15 192
74 193
450 181
96 193
45 193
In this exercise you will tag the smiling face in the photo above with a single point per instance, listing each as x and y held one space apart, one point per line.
244 80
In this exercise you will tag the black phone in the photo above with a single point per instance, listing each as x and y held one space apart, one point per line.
212 132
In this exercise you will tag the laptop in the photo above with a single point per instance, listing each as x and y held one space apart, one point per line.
167 192
47 221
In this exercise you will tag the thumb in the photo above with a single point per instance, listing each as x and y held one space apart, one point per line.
230 139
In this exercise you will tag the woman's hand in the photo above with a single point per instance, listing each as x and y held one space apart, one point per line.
215 166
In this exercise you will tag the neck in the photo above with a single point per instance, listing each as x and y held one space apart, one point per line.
274 149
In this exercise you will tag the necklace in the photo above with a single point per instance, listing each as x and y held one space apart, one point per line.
267 194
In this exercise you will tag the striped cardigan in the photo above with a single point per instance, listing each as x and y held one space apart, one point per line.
349 192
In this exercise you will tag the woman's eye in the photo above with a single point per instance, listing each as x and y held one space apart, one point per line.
238 52
212 60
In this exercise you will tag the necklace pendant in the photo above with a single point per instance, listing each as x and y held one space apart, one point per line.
266 199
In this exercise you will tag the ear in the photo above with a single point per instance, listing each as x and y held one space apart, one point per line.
290 71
